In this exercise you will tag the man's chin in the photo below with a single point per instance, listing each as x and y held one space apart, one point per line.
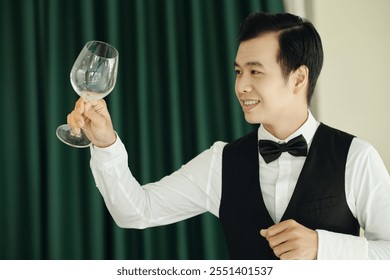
252 120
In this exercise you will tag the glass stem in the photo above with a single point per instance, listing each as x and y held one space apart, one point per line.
78 135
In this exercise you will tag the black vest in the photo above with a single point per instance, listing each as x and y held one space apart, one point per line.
318 201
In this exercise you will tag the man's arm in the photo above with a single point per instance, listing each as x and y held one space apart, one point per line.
185 193
181 195
367 185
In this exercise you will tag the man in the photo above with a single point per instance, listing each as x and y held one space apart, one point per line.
293 189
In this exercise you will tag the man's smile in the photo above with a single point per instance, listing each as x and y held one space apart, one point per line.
250 102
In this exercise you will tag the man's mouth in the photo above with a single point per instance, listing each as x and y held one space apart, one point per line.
250 102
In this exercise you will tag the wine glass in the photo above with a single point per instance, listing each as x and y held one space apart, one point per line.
93 76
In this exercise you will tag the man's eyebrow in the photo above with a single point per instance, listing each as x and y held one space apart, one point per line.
250 63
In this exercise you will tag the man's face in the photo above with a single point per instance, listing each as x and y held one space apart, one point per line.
265 95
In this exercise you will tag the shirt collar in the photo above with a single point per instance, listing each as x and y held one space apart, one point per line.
308 130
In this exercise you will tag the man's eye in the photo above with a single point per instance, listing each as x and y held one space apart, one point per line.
255 72
237 71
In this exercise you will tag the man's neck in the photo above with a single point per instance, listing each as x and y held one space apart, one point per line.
283 128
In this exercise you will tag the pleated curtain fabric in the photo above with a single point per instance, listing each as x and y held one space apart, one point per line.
174 97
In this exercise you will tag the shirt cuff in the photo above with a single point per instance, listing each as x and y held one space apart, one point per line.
104 155
338 246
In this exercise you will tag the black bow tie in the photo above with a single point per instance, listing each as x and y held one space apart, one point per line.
271 150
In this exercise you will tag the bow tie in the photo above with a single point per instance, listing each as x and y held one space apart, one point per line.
271 150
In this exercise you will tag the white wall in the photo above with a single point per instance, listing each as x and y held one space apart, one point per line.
353 92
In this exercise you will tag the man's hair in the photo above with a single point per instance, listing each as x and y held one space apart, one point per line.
299 42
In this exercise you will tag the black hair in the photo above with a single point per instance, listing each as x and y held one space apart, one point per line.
299 42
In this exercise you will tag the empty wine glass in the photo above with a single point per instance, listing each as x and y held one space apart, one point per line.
93 76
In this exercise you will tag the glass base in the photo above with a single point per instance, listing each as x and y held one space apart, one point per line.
65 134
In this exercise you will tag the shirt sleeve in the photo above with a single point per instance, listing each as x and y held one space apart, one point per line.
367 184
192 190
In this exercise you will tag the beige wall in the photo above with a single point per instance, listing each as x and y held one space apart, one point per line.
353 92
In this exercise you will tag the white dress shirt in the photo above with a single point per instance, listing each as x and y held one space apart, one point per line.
196 188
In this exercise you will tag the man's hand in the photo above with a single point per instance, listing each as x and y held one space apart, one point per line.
94 119
292 241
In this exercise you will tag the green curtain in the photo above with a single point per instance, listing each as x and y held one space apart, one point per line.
174 97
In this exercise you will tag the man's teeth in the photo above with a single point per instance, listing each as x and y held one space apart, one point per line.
250 102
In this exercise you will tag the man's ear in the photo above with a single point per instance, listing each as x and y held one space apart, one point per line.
301 79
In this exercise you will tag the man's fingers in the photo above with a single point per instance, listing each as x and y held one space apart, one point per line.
278 239
92 112
75 119
290 240
289 255
277 234
79 106
280 227
283 248
95 121
74 124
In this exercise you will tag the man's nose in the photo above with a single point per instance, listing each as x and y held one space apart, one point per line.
244 85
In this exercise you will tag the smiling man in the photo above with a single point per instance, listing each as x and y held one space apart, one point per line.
267 96
293 189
